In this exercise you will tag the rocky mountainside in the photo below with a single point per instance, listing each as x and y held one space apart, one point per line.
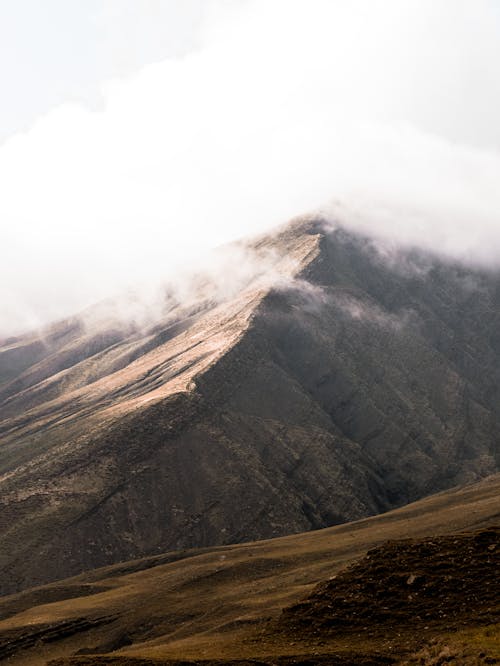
362 380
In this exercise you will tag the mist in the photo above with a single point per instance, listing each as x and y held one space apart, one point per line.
379 114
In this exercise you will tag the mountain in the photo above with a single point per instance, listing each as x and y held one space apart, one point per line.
359 379
245 604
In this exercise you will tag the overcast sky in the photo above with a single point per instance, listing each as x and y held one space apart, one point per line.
136 134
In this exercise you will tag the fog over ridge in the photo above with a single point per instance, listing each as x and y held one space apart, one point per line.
379 114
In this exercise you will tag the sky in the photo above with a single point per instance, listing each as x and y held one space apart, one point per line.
136 135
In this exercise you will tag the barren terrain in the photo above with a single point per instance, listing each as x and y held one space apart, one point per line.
226 603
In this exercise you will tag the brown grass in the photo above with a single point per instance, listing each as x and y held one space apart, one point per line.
215 604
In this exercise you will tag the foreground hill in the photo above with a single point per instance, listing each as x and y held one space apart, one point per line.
430 586
355 381
226 603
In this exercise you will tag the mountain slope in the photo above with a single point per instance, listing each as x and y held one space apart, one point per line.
357 383
223 603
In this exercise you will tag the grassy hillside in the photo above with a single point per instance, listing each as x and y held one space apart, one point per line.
223 603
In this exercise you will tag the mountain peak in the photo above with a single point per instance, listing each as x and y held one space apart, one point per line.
324 382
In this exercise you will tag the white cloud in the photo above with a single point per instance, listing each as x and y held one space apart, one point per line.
389 106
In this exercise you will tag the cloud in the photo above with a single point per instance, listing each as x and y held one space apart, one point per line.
420 190
193 290
312 299
389 107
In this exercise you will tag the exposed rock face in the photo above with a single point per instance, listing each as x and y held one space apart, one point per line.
359 383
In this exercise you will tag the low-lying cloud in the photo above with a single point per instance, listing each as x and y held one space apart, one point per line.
381 113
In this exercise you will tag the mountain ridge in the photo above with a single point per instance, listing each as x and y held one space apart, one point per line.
354 383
